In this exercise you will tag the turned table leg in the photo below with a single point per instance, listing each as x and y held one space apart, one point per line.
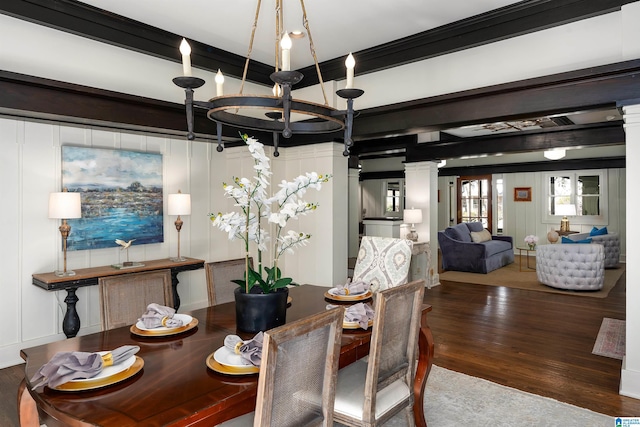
425 360
71 322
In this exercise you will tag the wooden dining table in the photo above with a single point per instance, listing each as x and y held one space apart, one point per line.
176 387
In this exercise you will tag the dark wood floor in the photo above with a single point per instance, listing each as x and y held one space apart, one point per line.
534 341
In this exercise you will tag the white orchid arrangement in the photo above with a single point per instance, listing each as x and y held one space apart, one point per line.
531 239
255 205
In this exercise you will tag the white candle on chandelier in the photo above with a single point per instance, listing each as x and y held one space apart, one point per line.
219 82
351 64
285 44
185 50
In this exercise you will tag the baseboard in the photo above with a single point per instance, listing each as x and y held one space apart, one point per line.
629 381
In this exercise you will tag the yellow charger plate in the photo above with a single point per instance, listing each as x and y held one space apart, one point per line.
359 297
163 332
230 370
103 381
354 325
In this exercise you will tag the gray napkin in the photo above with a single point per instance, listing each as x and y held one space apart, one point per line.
361 313
72 365
250 351
352 288
159 315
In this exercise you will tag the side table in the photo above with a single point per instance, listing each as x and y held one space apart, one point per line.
526 251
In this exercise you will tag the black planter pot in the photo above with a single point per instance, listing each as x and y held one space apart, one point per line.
257 312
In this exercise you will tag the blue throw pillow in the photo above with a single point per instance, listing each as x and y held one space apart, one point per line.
568 240
596 232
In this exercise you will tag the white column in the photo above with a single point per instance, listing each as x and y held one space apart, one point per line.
421 182
630 378
354 212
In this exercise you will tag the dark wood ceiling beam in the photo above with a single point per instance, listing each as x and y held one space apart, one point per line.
520 142
520 18
545 166
590 88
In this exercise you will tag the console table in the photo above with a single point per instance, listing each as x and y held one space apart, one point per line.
90 276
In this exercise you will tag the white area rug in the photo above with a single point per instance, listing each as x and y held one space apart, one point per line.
611 339
453 399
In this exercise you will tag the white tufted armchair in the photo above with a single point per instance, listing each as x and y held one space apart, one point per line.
610 242
578 266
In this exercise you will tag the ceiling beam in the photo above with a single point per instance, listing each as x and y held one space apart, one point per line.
599 134
545 166
595 87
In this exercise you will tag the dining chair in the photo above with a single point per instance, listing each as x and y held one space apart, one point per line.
220 274
383 262
370 392
298 372
124 298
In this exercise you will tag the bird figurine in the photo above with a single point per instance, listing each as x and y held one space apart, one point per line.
125 245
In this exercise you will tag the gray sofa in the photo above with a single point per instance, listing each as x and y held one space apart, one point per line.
575 266
610 242
460 253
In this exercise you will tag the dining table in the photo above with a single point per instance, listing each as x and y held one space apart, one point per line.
176 386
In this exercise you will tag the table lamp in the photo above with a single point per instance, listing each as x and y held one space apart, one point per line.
179 204
413 216
565 210
64 206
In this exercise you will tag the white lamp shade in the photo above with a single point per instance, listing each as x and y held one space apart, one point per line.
65 205
179 204
565 210
413 216
555 154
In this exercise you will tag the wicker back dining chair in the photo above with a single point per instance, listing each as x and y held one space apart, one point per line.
370 393
124 298
220 274
383 262
297 378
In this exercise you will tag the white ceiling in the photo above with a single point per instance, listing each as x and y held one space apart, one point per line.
337 26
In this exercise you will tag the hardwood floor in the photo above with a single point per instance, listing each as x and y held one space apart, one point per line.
533 341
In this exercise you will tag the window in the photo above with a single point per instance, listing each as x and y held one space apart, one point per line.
474 200
582 192
394 202
500 204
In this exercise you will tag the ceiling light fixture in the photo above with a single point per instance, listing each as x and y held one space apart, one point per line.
555 154
232 110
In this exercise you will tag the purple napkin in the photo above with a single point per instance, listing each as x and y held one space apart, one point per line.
360 313
72 365
250 351
159 315
352 288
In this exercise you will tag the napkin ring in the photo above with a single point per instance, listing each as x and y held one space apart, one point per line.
107 359
239 344
164 321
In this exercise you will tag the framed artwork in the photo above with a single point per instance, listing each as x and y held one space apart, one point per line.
121 193
522 194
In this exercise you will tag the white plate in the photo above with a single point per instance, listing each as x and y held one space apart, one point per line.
335 292
331 294
186 319
110 370
226 357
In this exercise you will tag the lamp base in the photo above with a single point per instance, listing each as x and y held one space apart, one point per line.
412 235
178 259
67 273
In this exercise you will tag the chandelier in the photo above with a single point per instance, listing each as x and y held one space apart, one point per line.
239 110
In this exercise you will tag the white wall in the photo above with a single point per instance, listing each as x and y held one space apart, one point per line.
31 168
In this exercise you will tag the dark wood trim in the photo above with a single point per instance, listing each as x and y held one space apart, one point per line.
382 175
589 88
518 19
610 133
550 165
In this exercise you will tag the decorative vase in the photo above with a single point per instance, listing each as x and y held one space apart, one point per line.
532 246
257 312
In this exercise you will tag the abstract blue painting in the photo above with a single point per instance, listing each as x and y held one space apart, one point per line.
121 193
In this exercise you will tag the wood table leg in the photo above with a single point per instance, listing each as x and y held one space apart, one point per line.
27 409
425 360
71 321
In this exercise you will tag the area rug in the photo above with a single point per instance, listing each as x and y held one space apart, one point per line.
611 339
453 399
511 276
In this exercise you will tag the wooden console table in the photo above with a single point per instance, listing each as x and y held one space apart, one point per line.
90 276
